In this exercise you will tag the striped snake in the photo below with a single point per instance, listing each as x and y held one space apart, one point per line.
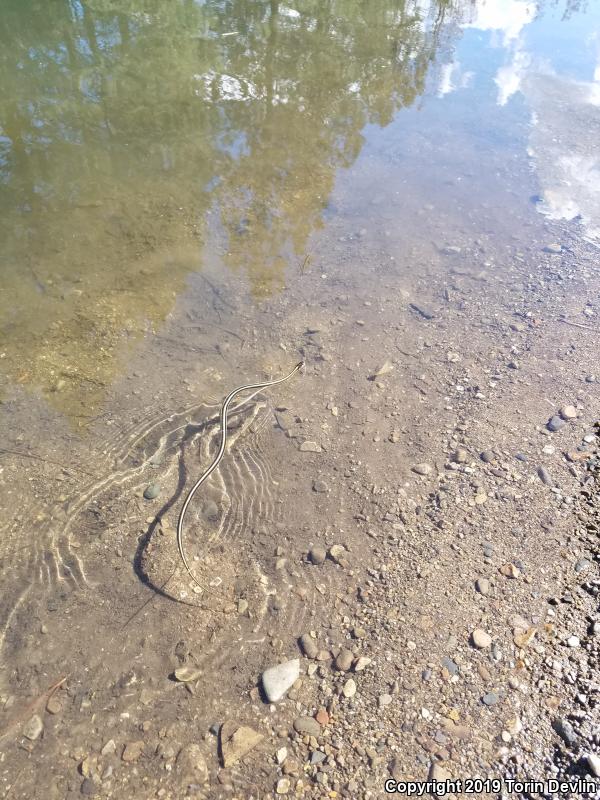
255 388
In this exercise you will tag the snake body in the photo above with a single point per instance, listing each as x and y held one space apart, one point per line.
251 387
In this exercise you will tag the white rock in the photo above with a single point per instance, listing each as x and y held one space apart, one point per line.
33 728
481 639
278 680
573 641
349 689
594 763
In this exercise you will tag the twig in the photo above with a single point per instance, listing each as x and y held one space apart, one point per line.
45 696
579 325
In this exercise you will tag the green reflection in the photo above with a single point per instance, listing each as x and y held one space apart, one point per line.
124 121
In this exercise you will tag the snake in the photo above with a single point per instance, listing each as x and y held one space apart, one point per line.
254 388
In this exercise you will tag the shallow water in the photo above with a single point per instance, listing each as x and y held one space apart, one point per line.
192 193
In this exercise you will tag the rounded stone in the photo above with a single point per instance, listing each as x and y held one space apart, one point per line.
568 412
307 725
151 491
481 639
278 680
343 660
317 554
482 585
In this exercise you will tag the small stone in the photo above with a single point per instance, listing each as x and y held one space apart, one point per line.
460 456
481 639
450 665
422 469
320 487
109 748
278 680
590 379
565 730
337 553
187 674
510 570
523 638
573 641
317 554
593 761
343 660
310 447
132 751
568 412
514 726
349 688
151 491
361 663
385 700
192 763
88 787
236 741
487 456
283 786
54 704
482 585
309 646
384 369
555 423
545 476
490 699
453 358
317 757
322 717
394 437
438 773
242 606
308 726
582 565
33 728
553 248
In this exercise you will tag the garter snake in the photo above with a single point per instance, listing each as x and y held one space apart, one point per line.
255 388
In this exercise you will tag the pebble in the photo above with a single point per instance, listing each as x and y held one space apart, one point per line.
320 487
385 699
317 554
590 379
384 369
422 469
482 585
317 757
573 641
191 762
307 725
481 639
132 751
343 660
278 680
460 456
151 491
283 786
555 423
361 663
553 248
337 552
487 456
490 699
565 730
450 665
54 704
545 476
568 412
33 728
349 688
593 761
187 674
310 447
236 741
88 787
309 646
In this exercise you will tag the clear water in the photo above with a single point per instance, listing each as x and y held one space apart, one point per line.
140 141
